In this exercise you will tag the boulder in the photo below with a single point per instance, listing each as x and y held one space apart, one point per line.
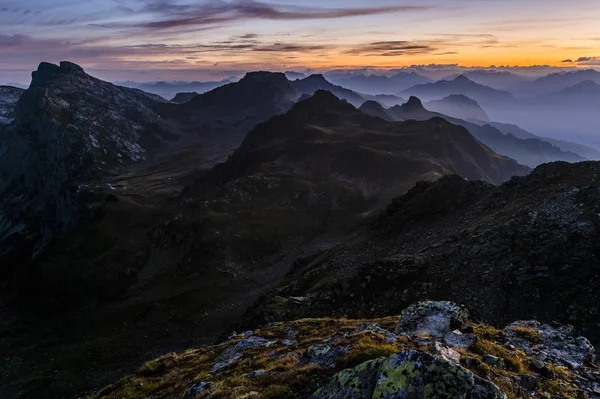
407 375
556 343
432 319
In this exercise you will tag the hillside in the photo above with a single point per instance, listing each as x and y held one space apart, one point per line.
513 251
432 349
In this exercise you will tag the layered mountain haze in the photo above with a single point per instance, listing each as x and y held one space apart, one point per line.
169 90
379 84
326 138
458 106
531 151
484 95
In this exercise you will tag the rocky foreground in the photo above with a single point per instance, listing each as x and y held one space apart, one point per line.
431 350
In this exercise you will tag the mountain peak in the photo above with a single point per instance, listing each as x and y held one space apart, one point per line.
462 79
413 103
263 76
47 71
317 77
323 100
323 97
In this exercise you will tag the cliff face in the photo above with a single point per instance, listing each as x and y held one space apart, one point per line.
8 100
68 129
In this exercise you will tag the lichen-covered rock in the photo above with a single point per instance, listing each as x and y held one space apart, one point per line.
323 355
407 375
233 353
556 343
432 319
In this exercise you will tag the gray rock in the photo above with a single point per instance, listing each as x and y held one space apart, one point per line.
407 375
434 319
494 361
457 340
538 364
444 352
323 355
560 345
389 337
529 383
196 389
289 342
232 354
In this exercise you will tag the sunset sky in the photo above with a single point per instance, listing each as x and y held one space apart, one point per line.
184 39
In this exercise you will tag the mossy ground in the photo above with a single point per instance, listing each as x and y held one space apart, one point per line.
285 374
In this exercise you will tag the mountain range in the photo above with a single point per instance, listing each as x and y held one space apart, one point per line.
531 151
168 90
484 95
380 84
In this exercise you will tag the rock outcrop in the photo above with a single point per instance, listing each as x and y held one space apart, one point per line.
362 359
9 96
68 129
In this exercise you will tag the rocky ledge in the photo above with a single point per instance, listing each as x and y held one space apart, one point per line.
432 350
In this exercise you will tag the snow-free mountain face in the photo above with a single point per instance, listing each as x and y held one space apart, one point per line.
8 101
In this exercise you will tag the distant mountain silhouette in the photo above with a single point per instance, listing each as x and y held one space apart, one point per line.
499 80
531 152
458 106
572 112
168 90
386 100
378 84
329 142
555 82
373 108
220 118
313 83
484 95
567 146
181 98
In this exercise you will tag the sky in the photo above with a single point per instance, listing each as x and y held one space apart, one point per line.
147 40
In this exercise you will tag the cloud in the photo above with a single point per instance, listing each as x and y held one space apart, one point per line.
168 15
391 48
584 61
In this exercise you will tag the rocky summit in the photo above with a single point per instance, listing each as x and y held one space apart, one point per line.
431 350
